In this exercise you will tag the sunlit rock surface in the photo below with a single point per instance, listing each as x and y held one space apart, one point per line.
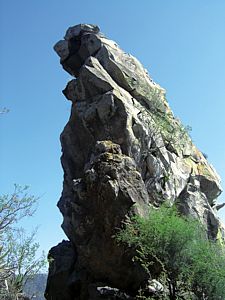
122 150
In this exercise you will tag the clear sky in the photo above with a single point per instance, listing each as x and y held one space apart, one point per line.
181 43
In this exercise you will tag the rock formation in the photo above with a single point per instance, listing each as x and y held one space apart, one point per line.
122 150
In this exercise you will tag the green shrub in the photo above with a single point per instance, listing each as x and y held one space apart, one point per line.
175 249
207 270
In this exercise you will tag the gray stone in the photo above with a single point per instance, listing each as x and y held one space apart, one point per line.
210 187
106 292
110 190
194 203
93 80
62 260
79 29
122 151
155 287
62 49
219 206
128 73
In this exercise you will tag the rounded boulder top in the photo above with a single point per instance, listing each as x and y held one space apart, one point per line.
79 29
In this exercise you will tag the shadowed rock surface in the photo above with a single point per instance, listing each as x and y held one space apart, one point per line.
122 150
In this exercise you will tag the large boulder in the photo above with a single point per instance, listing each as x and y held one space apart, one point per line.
122 150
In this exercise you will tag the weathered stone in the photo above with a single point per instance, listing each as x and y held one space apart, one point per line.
219 206
62 260
155 287
81 41
93 80
110 190
107 293
122 150
128 73
77 30
62 49
209 187
194 203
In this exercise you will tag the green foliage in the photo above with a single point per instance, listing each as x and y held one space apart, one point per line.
207 270
22 255
176 135
18 260
15 207
175 250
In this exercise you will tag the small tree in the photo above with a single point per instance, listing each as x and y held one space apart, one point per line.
22 255
18 260
16 206
175 249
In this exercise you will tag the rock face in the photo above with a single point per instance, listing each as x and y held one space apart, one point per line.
122 150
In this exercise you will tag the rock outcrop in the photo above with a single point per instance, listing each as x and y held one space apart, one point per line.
122 150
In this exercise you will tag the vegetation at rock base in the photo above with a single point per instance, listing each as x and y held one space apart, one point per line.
18 261
174 250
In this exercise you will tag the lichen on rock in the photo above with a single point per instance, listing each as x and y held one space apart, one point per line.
122 150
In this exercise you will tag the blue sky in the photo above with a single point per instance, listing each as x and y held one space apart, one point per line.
181 43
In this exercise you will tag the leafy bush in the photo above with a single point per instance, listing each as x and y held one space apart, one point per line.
175 250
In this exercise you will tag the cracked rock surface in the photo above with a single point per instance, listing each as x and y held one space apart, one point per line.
122 150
